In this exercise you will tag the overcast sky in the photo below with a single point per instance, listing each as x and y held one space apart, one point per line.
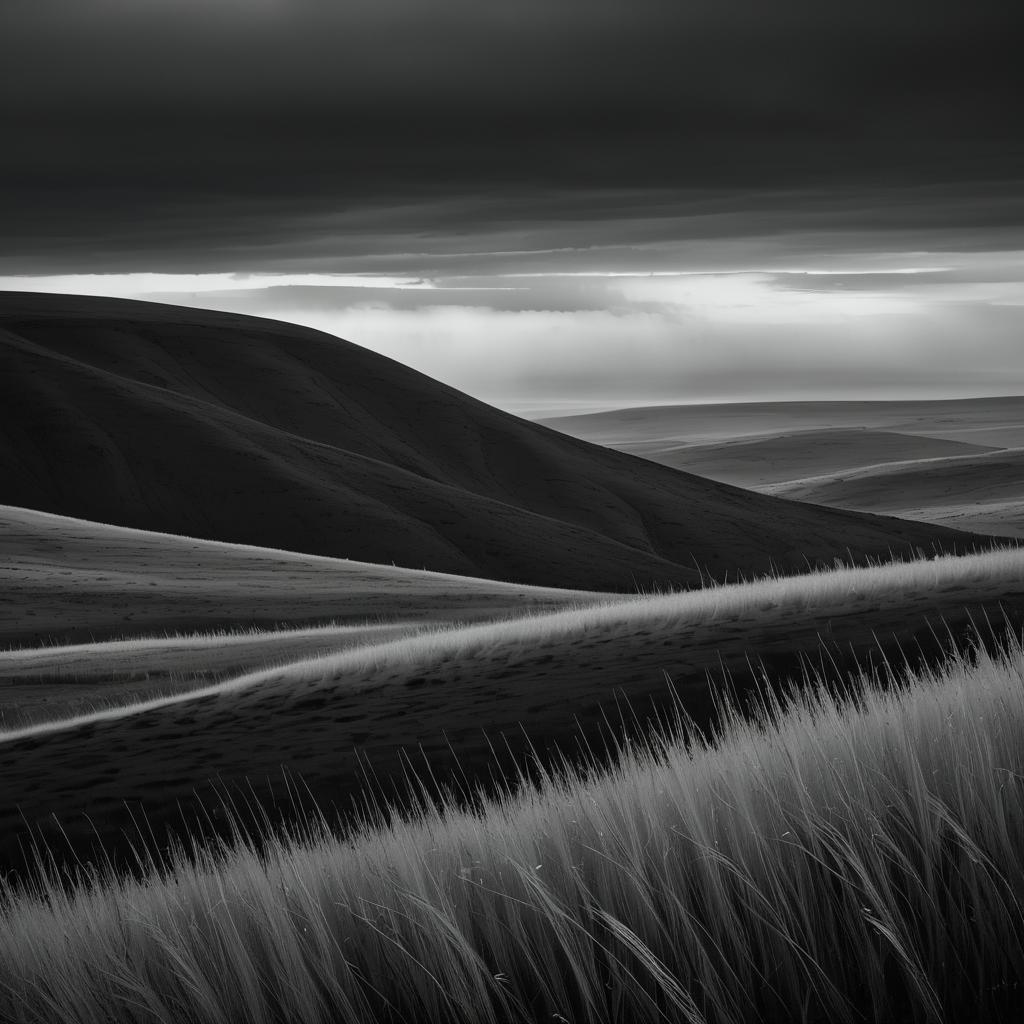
598 200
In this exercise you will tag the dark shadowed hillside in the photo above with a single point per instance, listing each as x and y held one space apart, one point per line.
241 429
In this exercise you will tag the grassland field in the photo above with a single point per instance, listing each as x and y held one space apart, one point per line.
529 730
470 700
836 859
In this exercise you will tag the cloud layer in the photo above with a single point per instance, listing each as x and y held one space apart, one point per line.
859 324
581 199
279 134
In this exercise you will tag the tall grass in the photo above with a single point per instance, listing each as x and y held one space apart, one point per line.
840 859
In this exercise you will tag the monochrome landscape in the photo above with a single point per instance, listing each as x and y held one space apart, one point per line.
511 514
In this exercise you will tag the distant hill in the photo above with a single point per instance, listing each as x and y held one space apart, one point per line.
241 429
773 458
983 492
996 422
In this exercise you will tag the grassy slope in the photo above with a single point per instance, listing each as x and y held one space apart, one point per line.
983 492
67 579
39 684
844 862
981 421
242 429
754 462
452 694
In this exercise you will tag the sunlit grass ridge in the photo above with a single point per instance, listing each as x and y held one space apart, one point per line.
842 859
761 602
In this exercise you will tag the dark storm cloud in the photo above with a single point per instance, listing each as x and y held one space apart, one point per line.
283 133
753 58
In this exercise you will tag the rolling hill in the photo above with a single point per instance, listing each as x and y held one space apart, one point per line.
996 422
772 458
454 696
246 430
64 579
89 608
983 492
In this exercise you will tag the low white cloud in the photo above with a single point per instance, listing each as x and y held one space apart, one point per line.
141 285
641 355
756 298
857 325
